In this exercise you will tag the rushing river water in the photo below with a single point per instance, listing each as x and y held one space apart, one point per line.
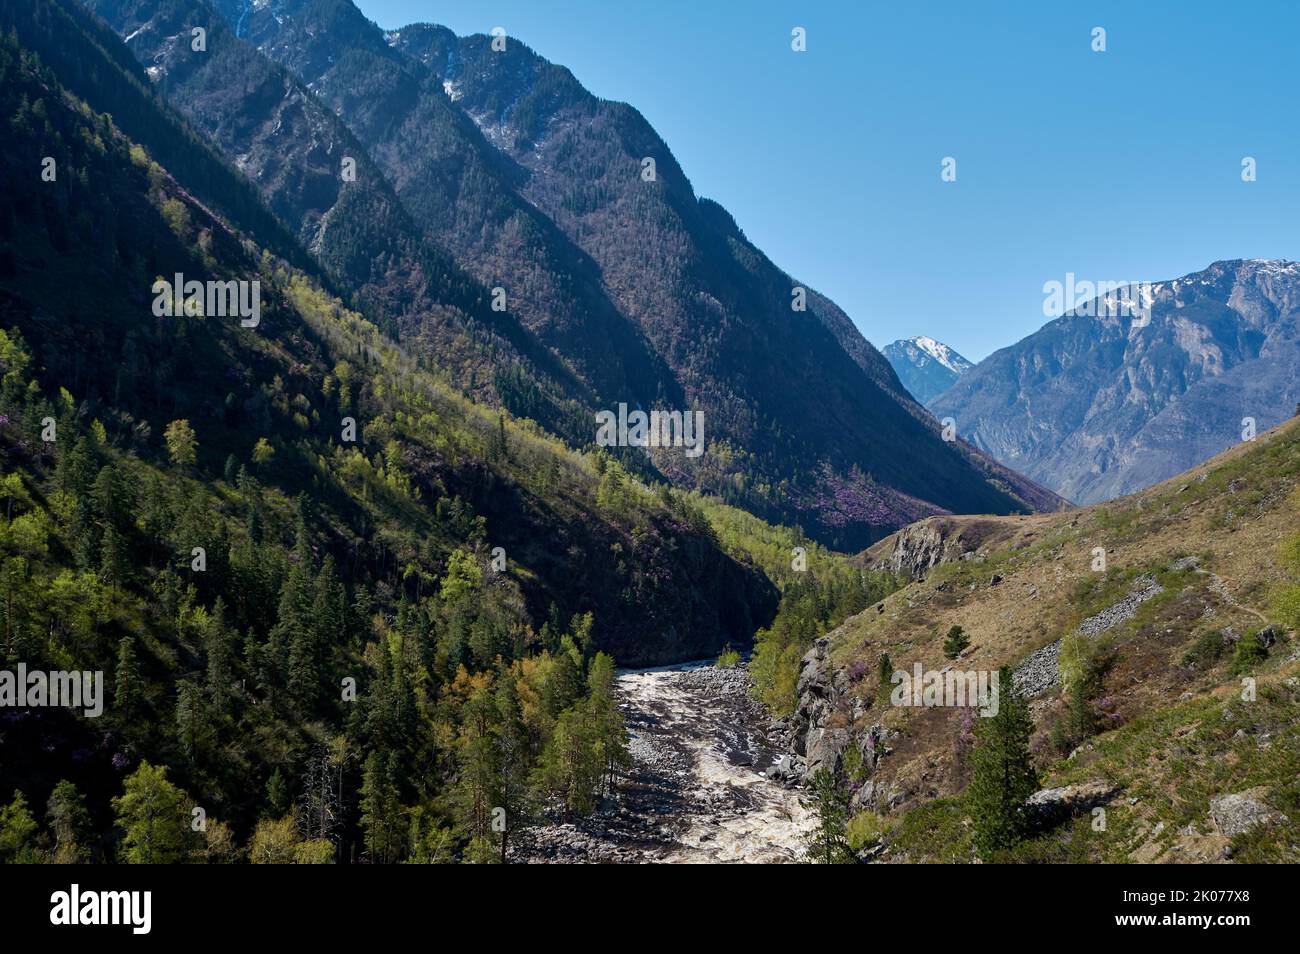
695 791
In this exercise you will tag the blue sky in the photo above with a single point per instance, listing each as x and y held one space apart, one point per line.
1122 165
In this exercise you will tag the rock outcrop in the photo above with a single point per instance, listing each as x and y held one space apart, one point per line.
928 543
1051 806
828 722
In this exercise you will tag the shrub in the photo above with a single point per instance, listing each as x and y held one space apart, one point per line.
1250 653
728 658
865 830
1206 651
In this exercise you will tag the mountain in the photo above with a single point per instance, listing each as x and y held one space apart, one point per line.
925 366
273 128
1096 407
1135 672
620 289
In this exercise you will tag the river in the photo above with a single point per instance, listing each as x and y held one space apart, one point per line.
695 791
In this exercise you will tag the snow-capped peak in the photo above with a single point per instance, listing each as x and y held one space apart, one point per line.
941 353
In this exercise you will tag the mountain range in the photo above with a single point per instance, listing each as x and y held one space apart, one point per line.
1098 405
356 572
485 176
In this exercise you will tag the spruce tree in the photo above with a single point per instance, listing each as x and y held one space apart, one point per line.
1003 775
126 679
956 641
381 809
827 843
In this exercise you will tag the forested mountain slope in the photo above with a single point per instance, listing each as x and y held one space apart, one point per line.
649 294
277 534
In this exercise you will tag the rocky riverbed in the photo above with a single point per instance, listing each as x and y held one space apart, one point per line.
696 790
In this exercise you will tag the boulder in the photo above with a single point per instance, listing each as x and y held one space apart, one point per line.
826 749
1238 813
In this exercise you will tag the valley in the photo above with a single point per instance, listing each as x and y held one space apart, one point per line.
386 531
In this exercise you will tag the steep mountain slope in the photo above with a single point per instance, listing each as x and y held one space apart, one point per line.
1098 407
653 295
198 524
925 367
63 250
1200 587
275 130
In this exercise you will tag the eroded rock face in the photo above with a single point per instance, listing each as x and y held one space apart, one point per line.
816 692
816 740
921 546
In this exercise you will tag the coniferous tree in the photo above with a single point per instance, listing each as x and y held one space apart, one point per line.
219 645
514 763
564 686
477 791
126 679
192 727
827 843
381 809
277 796
1003 775
885 673
607 718
955 642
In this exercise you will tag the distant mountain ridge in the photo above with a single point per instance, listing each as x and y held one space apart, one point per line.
925 366
1097 407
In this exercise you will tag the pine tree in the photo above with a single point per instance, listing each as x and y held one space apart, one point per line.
827 843
564 685
477 790
607 718
1003 775
956 641
514 766
571 765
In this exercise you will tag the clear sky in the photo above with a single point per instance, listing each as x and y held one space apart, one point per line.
1117 166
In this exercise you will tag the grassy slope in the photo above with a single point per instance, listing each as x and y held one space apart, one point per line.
1179 746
